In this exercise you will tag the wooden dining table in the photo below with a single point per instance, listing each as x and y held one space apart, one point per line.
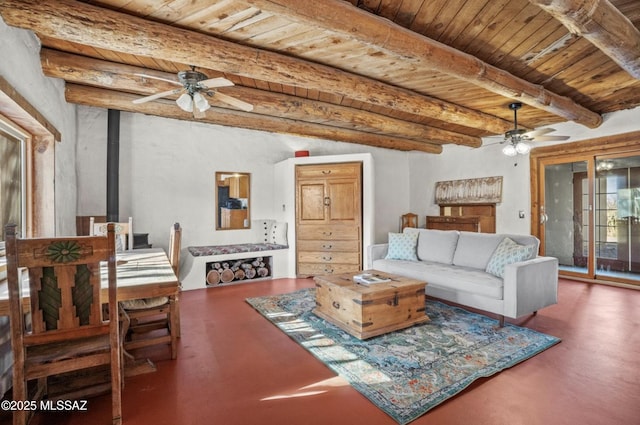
141 273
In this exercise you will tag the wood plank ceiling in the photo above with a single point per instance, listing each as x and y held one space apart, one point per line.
407 75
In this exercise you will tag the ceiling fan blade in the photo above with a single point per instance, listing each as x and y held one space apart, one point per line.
216 82
159 78
541 132
234 102
157 95
549 138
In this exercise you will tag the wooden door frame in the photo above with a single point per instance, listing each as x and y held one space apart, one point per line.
620 144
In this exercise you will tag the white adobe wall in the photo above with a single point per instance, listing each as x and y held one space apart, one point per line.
20 66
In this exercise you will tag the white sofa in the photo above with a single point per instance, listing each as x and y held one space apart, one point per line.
454 265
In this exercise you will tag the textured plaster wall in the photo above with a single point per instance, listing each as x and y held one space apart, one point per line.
20 66
167 170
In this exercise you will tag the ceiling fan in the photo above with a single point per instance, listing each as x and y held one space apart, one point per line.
517 138
193 85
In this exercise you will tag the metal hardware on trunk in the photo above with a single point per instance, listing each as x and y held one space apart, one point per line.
394 301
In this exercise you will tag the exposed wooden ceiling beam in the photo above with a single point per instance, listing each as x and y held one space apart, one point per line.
93 96
106 29
114 76
343 17
602 24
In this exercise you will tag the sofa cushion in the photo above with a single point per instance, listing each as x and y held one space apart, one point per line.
402 246
475 249
508 252
435 245
453 278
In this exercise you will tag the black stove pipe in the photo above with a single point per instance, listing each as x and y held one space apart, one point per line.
113 159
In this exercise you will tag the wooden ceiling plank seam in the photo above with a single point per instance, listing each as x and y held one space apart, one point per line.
407 11
142 8
309 35
444 17
175 11
223 26
272 36
554 66
369 5
212 13
603 25
389 9
500 29
245 33
425 16
249 23
555 39
522 39
478 25
463 20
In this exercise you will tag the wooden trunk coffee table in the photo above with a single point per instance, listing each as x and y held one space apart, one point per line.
370 310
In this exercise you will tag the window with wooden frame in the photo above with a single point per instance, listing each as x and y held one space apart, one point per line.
28 172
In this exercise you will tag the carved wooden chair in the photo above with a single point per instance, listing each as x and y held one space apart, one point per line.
408 220
69 330
148 315
124 233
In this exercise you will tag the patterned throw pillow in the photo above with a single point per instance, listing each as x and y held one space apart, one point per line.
402 246
508 252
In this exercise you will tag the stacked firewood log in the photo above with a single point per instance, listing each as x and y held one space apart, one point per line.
236 270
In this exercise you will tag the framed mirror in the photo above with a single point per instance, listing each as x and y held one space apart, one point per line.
232 200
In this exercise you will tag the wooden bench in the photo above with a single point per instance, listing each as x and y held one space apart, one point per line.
204 262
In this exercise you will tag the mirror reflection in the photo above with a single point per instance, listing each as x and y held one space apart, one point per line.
232 200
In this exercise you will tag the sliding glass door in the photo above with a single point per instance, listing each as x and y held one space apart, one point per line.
589 215
617 216
566 214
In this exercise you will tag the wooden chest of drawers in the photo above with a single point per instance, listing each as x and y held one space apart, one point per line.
328 249
469 224
328 218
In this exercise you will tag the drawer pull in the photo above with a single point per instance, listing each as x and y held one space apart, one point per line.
327 233
326 171
335 304
327 246
328 270
325 258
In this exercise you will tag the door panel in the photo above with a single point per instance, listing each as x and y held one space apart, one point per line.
345 201
617 217
566 214
311 202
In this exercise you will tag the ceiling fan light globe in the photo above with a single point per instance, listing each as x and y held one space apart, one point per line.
509 150
522 148
200 102
185 102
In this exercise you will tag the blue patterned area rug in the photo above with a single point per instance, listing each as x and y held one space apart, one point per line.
408 372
